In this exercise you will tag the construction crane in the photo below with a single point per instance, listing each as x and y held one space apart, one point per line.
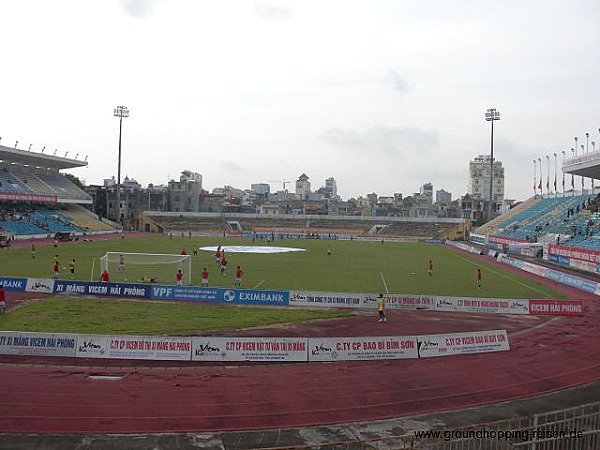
283 183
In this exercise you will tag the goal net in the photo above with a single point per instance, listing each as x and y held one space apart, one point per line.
144 267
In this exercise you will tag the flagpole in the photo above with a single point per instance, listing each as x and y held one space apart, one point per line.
541 178
582 188
548 179
534 179
563 172
593 151
555 186
573 176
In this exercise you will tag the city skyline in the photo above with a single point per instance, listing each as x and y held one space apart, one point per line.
383 96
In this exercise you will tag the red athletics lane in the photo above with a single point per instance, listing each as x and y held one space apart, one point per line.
546 355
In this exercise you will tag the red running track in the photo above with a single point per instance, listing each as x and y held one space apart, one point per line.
546 355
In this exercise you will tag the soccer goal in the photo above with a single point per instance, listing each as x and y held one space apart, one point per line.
143 267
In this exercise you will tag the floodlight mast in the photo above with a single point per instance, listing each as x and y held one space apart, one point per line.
120 112
491 115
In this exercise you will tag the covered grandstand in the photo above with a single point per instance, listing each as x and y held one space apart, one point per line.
36 200
570 218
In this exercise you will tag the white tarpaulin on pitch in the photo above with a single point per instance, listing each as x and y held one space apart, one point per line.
253 249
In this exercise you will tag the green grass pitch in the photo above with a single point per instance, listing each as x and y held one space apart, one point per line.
353 266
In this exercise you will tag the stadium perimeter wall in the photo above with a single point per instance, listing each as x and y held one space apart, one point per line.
253 349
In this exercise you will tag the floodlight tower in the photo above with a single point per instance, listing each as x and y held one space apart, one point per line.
120 112
491 115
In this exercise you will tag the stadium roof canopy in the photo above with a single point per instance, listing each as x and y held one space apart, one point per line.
24 157
586 165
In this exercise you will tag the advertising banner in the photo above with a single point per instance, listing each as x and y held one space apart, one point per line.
39 344
268 349
462 343
477 238
92 346
219 295
362 348
556 307
444 303
465 247
575 253
136 347
398 301
45 285
336 299
28 197
534 269
510 261
492 305
13 284
563 260
583 265
572 280
128 290
505 240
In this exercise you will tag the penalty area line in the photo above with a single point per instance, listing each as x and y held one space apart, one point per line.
384 283
256 287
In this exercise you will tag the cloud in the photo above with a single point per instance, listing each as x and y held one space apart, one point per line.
231 166
399 83
268 11
390 141
139 9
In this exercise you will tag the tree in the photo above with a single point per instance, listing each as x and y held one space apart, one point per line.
73 179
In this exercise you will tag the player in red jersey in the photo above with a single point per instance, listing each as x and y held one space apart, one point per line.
238 276
56 269
204 277
179 277
105 277
2 299
430 270
478 278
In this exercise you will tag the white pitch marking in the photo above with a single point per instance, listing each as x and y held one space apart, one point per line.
384 283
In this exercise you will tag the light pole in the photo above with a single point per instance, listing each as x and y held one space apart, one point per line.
491 115
120 112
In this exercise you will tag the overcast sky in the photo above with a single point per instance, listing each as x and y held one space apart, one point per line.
381 95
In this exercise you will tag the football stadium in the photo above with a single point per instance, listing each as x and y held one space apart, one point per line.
289 334
317 228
